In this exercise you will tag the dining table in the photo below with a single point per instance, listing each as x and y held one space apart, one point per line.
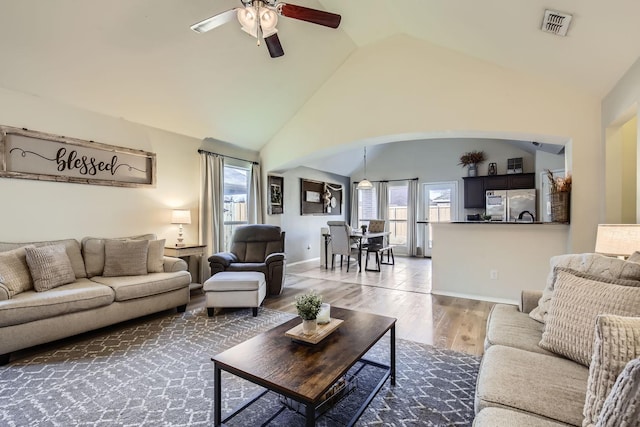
357 237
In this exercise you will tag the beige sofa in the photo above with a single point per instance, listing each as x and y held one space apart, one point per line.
92 300
520 383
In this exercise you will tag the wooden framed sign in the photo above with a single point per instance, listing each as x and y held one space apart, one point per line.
35 155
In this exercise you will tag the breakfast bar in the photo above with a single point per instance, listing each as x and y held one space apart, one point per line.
494 261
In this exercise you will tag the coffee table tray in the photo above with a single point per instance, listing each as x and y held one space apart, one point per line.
322 331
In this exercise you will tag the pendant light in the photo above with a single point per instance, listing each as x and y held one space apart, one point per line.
365 184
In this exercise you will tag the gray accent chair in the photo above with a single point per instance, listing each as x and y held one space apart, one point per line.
341 243
256 247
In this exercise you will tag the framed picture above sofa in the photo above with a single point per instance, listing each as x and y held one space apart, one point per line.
28 154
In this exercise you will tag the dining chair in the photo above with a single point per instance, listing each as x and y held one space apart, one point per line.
341 243
376 226
377 246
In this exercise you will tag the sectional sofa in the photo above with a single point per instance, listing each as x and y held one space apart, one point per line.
569 355
55 289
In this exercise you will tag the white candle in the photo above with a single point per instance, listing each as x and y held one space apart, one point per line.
324 313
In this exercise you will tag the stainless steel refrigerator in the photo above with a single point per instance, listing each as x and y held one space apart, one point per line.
512 205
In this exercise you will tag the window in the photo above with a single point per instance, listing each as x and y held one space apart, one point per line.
367 206
439 205
236 193
398 199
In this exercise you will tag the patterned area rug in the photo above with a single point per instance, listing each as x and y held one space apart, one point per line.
158 371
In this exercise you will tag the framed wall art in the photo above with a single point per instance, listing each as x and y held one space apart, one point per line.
28 154
276 194
320 198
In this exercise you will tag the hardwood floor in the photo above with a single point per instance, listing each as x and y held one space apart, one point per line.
401 291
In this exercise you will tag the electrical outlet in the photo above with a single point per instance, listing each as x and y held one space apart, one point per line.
493 274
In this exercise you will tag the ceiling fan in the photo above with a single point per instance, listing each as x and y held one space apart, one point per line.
259 19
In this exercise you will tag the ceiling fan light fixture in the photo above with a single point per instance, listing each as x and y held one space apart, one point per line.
365 184
268 22
247 16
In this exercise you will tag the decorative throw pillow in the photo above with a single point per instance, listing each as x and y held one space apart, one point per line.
155 256
50 267
595 264
576 302
617 341
14 272
622 406
635 257
125 257
4 291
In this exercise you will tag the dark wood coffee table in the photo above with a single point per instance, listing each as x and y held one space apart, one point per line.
304 372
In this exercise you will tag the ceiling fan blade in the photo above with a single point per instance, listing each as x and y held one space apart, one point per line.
274 46
314 16
215 21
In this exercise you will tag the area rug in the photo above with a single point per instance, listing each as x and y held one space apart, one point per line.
158 371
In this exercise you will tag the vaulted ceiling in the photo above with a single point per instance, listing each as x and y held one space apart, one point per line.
140 61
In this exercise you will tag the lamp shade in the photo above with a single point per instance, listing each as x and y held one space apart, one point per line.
268 22
365 184
618 239
180 216
248 17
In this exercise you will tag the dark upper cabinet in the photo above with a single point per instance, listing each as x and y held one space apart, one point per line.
475 187
522 181
474 196
496 182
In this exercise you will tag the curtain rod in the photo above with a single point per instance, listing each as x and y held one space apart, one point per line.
393 180
200 150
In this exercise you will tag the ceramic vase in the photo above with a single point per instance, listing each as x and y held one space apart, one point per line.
309 326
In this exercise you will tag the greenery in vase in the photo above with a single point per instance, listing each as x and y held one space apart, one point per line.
308 305
472 158
559 184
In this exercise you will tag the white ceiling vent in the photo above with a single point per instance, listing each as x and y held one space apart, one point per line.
556 22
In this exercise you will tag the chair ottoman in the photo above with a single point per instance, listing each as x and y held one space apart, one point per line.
235 289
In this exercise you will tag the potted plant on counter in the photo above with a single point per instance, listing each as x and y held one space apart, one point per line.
308 306
471 160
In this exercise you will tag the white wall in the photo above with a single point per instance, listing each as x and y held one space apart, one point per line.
620 104
303 231
465 254
402 88
38 210
629 168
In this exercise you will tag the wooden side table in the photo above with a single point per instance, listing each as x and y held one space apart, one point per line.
192 254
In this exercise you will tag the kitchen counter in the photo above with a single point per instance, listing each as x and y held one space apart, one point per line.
512 222
494 260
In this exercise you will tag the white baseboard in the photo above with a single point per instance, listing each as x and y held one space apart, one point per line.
303 261
476 297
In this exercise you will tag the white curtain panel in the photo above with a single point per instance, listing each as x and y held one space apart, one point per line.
256 214
354 220
382 188
412 209
211 227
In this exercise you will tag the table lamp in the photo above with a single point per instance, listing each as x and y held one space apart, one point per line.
619 240
180 216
